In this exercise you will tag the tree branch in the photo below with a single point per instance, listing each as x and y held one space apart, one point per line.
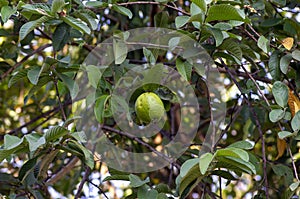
258 125
4 75
154 3
108 128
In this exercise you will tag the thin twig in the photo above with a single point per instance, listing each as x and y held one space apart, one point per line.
98 187
258 125
171 161
253 80
59 102
84 179
233 117
65 169
293 162
154 3
23 60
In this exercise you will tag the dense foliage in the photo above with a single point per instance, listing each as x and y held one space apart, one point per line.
254 46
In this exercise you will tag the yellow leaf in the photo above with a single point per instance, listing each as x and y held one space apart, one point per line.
294 103
288 43
281 146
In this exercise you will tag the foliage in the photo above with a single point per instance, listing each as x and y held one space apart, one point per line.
254 45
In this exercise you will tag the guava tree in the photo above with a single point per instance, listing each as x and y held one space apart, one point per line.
61 56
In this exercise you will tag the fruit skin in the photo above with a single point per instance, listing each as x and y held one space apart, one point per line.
149 107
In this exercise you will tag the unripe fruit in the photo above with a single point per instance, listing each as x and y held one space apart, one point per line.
149 107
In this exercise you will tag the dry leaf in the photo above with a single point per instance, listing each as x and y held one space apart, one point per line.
294 103
288 43
281 146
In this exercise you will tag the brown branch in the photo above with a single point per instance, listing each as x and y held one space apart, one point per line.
258 125
171 161
84 179
293 162
253 80
4 75
66 169
154 3
43 115
59 101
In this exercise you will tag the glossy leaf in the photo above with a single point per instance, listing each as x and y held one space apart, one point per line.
204 162
284 63
223 12
281 93
77 24
122 10
29 26
296 122
263 43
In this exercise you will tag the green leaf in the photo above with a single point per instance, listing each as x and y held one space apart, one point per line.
205 161
146 193
224 174
34 74
57 6
122 10
237 164
96 4
26 168
71 85
34 141
233 152
116 177
38 8
294 186
223 12
94 75
201 4
43 81
29 26
149 56
233 47
274 65
135 181
11 141
61 36
181 21
6 12
21 74
263 43
284 134
181 68
77 24
80 136
281 93
218 35
276 115
55 133
296 55
296 122
173 43
279 2
12 144
161 19
87 18
271 22
284 63
88 155
242 145
188 165
189 181
120 51
100 108
162 196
